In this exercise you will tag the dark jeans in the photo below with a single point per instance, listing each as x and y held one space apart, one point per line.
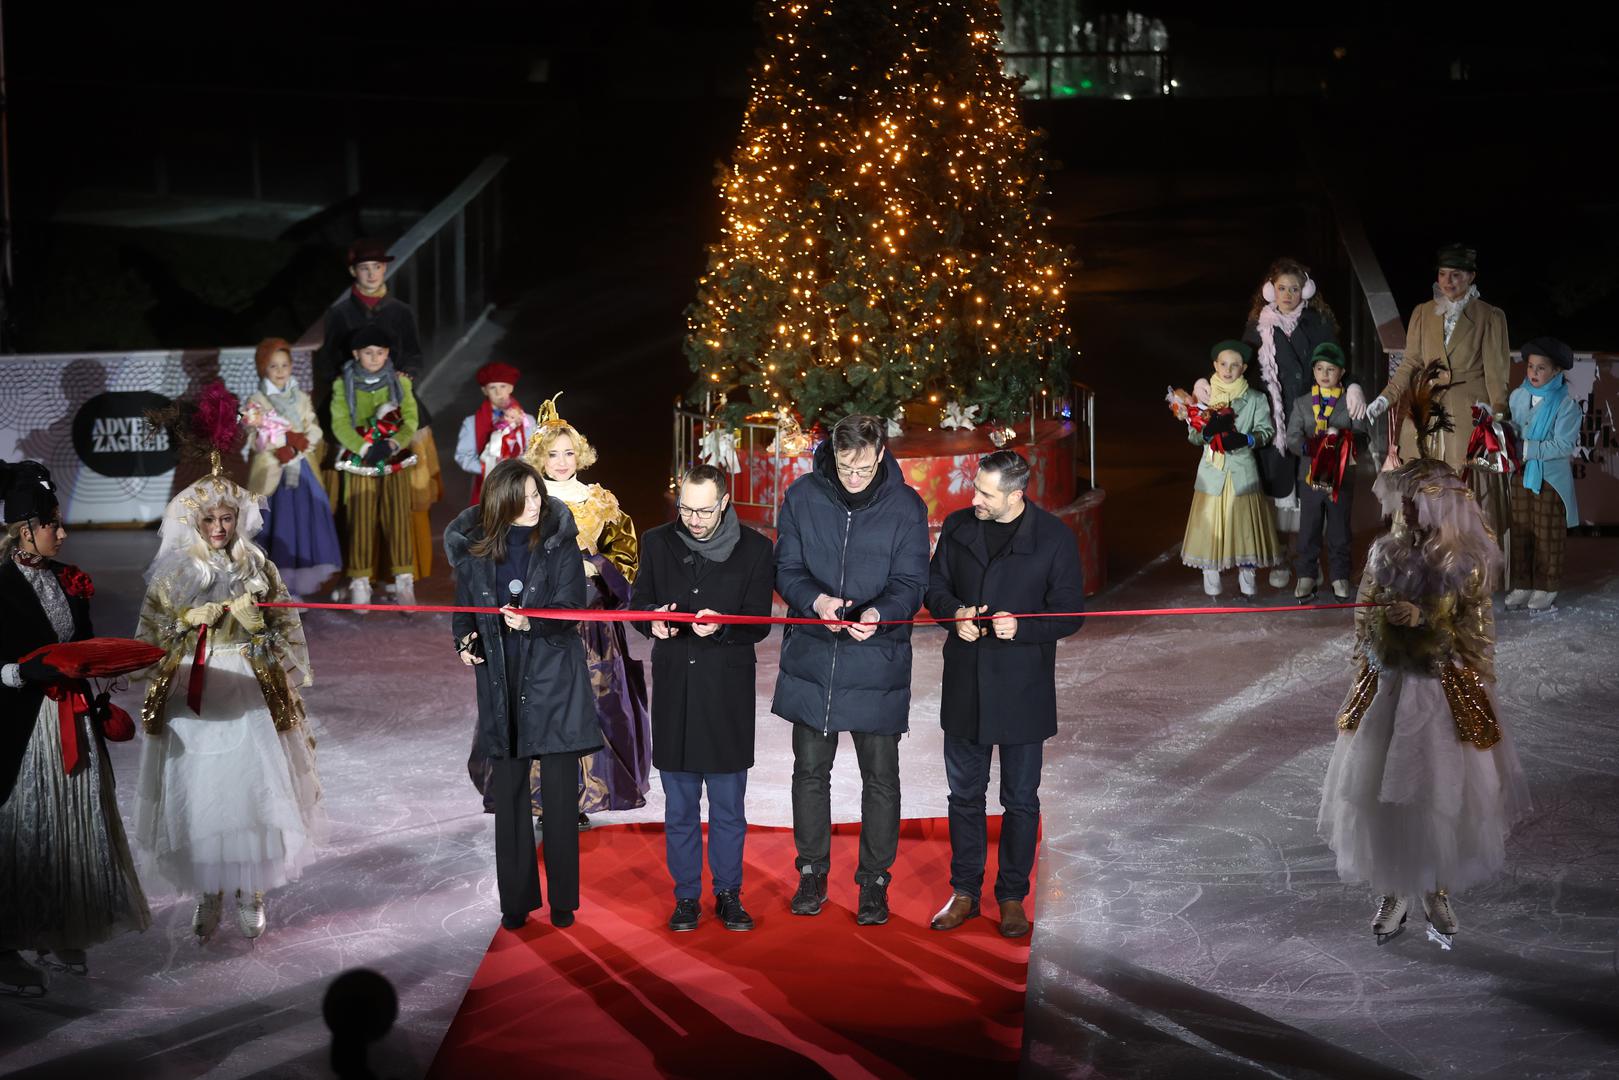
517 870
812 800
683 829
966 768
1315 511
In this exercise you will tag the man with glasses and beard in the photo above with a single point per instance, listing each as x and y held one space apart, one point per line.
705 562
853 546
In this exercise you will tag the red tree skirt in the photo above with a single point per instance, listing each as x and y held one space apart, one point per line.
618 995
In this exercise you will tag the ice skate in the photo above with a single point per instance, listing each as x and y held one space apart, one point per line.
18 977
1389 922
1248 582
1211 582
1279 577
405 592
1516 599
1304 591
205 920
1343 590
72 961
360 592
1442 924
250 915
1541 601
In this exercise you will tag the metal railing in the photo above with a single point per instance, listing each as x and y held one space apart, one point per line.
1079 409
444 266
755 444
1059 74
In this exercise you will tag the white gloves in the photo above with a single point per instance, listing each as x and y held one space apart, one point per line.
1375 408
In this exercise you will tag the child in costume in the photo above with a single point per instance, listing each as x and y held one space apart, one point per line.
1424 784
500 428
1231 524
373 418
1542 498
229 801
1321 429
299 534
67 880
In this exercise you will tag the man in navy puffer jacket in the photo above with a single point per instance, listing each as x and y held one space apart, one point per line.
853 545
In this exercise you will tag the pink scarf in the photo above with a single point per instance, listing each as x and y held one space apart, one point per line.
1270 317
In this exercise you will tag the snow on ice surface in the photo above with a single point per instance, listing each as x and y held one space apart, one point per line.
1188 918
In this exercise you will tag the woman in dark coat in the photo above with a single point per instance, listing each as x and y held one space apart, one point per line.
516 549
1286 321
68 879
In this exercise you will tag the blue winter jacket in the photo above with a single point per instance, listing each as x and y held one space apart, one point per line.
1553 453
876 557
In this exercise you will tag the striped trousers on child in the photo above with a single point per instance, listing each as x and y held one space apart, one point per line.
1539 537
378 521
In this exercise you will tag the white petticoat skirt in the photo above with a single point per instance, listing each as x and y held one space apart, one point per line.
225 801
1408 806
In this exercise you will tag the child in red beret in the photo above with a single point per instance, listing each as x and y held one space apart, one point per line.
500 428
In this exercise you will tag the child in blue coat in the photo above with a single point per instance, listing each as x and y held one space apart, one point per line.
1543 508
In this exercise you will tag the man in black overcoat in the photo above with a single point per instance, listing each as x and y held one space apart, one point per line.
367 303
1002 558
705 562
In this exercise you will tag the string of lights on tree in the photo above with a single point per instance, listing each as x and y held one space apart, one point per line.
881 241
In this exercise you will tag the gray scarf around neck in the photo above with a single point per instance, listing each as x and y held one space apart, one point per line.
724 541
353 374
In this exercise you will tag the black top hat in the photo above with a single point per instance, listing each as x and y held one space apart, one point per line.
370 334
366 249
28 491
1552 349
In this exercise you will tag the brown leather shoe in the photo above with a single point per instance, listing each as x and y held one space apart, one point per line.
957 911
1014 923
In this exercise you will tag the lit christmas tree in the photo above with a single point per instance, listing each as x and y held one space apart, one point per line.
881 243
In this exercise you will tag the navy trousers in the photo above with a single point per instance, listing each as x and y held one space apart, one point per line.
683 829
966 769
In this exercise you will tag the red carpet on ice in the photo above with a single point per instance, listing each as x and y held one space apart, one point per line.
618 995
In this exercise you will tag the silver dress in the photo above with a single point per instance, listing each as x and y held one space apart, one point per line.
68 879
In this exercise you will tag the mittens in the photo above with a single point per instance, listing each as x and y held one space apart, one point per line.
298 441
1227 441
1220 420
38 671
285 454
377 453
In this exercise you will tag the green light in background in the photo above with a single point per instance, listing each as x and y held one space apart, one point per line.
1085 84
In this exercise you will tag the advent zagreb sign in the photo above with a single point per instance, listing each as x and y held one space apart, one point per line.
111 435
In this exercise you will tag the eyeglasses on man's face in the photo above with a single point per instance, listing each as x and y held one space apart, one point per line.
862 473
698 513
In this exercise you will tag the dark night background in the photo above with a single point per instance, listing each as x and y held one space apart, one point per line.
187 177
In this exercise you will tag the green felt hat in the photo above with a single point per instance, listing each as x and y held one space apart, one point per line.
1330 352
1457 257
1241 348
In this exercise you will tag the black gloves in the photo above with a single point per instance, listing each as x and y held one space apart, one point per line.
38 671
377 453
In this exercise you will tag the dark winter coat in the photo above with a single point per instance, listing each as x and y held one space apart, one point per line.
1005 691
1301 426
1296 374
703 687
395 317
876 557
556 712
24 628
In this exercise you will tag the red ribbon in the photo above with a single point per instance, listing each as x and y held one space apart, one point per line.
71 703
1493 444
603 615
1332 454
199 671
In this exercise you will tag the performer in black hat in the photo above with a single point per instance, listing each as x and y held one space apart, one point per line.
69 879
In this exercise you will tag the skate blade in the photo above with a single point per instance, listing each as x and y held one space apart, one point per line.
1445 941
50 963
1384 939
13 990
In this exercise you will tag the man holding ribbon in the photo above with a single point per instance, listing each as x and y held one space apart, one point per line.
998 560
705 562
853 545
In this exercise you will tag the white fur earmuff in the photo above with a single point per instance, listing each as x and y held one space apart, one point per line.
1268 290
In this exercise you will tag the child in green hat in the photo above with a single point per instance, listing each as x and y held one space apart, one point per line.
1320 425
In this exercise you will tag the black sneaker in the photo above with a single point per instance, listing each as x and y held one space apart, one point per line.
728 908
685 916
811 893
873 902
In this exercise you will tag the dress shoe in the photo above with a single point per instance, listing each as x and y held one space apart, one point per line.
1342 590
686 914
1304 591
561 919
960 908
811 893
728 907
513 920
873 909
1014 923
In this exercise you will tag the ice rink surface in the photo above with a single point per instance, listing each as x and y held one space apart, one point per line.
1189 922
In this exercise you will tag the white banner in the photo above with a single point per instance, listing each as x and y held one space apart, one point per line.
83 416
